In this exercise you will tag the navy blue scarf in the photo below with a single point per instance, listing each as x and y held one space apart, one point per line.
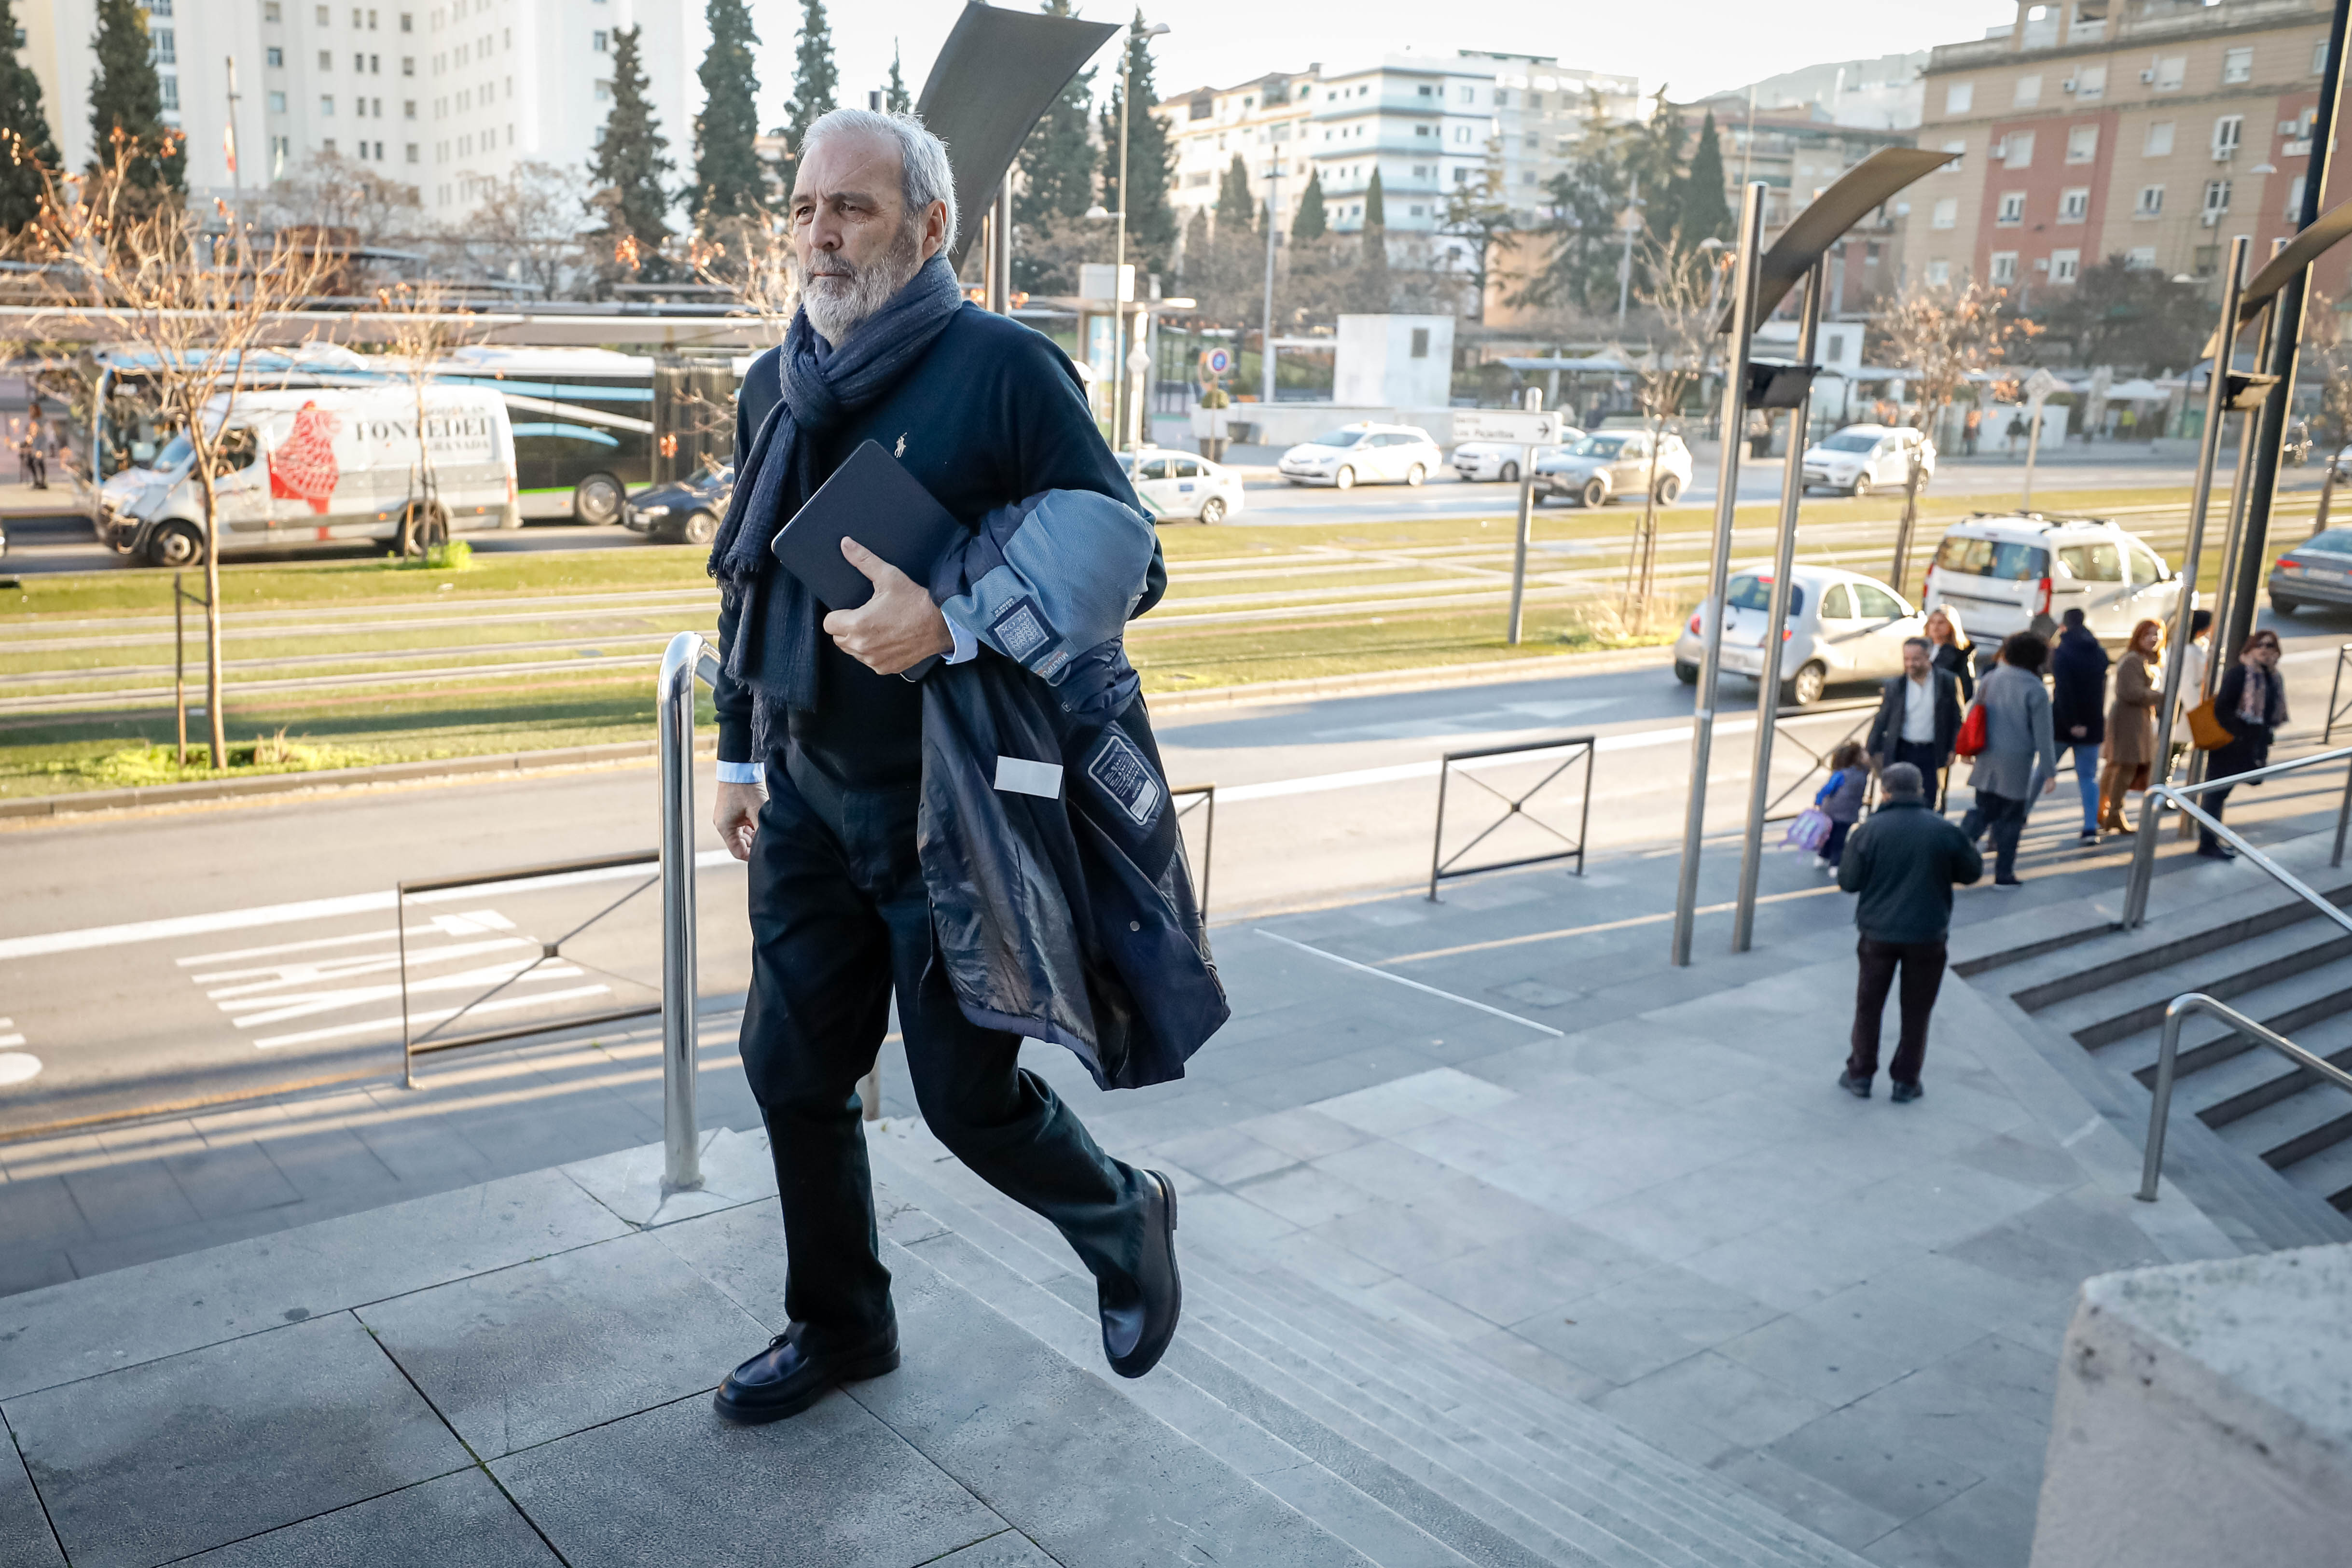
774 651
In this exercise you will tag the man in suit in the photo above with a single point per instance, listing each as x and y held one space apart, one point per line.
1918 718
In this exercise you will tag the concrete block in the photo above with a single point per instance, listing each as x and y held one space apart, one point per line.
737 1169
2204 1415
170 1458
460 1521
520 1355
831 1488
75 1329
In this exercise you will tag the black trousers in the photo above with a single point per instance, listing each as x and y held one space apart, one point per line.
1922 963
2212 801
1922 754
840 922
2004 818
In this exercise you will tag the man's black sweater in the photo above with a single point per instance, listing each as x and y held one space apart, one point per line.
1904 862
995 413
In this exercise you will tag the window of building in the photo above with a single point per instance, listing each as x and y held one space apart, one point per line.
276 103
2237 65
324 19
2004 267
325 59
596 41
1946 214
408 65
2151 202
2319 58
408 109
327 145
273 12
2081 144
2228 130
2140 257
1960 97
1957 148
2217 197
2091 83
1939 273
1462 134
604 95
2160 140
413 150
359 64
2029 92
274 56
2074 205
408 24
1416 212
1426 90
1420 131
326 103
2295 200
2019 145
2170 72
2011 211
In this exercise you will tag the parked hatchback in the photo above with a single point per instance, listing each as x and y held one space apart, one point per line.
1613 463
1180 485
2018 573
1364 454
1861 458
1842 626
2316 572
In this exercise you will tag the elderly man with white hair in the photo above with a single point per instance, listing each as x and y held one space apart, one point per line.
825 751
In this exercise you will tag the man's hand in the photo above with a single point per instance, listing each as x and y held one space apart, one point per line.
2049 784
896 629
736 815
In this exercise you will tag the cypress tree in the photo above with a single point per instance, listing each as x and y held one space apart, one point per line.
1308 222
1704 208
1236 208
1058 161
728 178
894 96
1376 218
126 97
1151 224
25 146
814 78
631 161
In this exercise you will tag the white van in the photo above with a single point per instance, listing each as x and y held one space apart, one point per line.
330 464
2023 572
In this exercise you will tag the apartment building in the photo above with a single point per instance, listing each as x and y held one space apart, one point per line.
192 42
2152 129
1260 120
1797 151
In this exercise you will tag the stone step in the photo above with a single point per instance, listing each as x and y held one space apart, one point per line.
2297 1126
2134 1003
2292 1006
1565 1482
2327 1174
2252 1081
2106 954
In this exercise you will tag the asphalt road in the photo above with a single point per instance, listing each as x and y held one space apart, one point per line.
186 955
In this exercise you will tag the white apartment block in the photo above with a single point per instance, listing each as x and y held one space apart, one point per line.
446 97
1261 122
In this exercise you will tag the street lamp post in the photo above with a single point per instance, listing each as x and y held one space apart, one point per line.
1118 307
1266 344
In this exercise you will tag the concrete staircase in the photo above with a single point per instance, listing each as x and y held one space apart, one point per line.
2254 1137
1382 1433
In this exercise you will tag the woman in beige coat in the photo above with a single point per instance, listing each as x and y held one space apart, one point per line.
2131 725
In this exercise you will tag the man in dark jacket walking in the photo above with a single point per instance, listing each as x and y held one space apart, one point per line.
1904 862
821 753
1918 718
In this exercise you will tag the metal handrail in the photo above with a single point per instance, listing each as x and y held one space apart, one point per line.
2161 1108
687 658
2144 857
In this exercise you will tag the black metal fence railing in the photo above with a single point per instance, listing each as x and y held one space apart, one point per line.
503 985
1819 757
1204 800
1444 867
2336 710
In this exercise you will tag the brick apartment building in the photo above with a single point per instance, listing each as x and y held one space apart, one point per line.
2153 130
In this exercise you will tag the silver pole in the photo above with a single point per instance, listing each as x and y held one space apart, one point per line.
1533 399
1784 562
1000 250
1265 345
2033 446
674 698
2209 449
1727 500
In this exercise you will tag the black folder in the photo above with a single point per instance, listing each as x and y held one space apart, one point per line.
873 499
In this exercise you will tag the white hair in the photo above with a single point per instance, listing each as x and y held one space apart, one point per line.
925 175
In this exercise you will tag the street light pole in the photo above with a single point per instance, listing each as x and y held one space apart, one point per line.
1266 344
1727 499
1632 224
1118 307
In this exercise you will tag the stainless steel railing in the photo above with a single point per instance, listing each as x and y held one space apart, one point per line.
2161 1108
2143 866
687 660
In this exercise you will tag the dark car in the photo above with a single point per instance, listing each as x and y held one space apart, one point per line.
2316 572
685 511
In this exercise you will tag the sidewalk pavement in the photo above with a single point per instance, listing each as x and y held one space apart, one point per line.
1503 1120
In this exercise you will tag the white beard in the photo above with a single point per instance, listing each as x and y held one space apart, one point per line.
838 306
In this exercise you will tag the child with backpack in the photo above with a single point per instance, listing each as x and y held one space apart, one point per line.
1841 799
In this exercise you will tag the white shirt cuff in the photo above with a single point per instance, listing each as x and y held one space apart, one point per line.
739 772
966 647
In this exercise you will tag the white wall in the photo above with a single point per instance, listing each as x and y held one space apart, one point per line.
1374 362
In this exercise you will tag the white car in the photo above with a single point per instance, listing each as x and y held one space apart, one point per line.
1481 462
1366 454
1861 458
1842 626
2023 573
1610 463
1182 485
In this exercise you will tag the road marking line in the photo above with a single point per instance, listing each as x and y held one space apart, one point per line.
486 978
1417 985
90 937
433 1016
313 972
441 925
12 1039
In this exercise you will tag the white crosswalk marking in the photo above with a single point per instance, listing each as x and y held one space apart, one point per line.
15 1067
312 971
303 1005
417 1020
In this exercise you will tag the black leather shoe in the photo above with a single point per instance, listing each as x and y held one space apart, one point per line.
2217 850
787 1378
1138 1319
1901 1093
1857 1087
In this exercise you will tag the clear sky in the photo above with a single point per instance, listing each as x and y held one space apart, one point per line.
1693 47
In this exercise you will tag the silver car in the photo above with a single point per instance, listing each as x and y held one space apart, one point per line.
1610 463
1842 626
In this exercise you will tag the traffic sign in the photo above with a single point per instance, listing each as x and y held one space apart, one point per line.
1512 426
2041 385
1217 361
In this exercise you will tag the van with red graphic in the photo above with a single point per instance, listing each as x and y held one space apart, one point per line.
329 465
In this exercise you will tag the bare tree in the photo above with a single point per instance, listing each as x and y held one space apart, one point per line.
1939 336
1478 218
528 226
197 299
2327 360
426 327
352 202
1682 282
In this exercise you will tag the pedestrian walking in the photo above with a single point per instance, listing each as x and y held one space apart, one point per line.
2192 689
2078 705
32 458
1969 427
828 758
1841 799
1918 717
1954 651
1904 862
2131 724
2018 748
2250 703
2016 432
